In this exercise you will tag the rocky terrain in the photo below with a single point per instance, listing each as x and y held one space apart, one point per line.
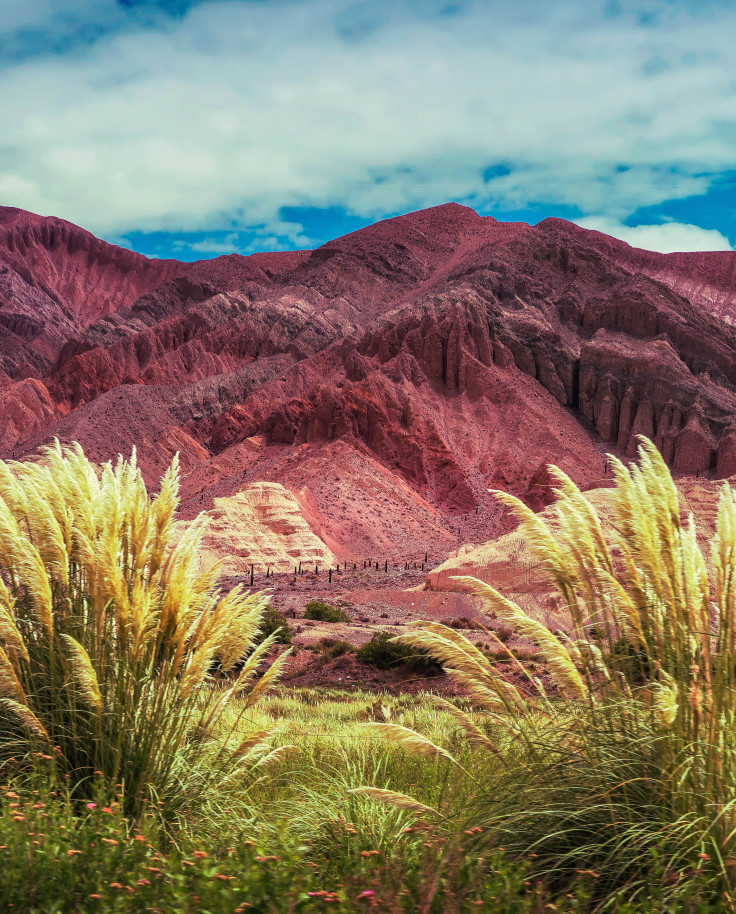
359 400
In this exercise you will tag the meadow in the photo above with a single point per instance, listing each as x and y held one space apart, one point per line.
152 762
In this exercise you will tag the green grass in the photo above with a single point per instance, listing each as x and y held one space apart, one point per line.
289 830
291 836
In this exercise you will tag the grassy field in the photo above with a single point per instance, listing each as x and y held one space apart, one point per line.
292 837
151 760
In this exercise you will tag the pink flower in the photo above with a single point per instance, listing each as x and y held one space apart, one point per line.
368 893
91 805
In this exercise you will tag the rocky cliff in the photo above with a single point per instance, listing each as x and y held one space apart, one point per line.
416 362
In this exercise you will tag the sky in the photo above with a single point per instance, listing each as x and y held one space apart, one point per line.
192 128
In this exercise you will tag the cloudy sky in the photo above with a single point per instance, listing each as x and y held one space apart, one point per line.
189 128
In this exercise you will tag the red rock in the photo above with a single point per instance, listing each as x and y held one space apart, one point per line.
438 353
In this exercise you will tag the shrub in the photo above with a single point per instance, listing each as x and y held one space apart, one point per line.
323 612
630 767
274 623
504 633
108 633
462 622
336 649
385 652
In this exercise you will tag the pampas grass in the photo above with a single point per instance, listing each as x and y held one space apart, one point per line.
108 632
631 758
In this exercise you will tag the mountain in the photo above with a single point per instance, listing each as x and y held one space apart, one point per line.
385 380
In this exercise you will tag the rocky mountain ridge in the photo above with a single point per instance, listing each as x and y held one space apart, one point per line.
408 366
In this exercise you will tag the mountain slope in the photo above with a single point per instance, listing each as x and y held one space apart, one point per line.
386 379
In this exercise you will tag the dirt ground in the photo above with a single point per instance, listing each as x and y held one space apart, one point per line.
375 601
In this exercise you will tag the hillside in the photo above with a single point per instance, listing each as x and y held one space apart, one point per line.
386 379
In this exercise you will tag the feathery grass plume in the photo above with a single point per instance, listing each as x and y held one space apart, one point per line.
29 720
555 653
84 673
410 740
254 741
474 734
104 610
10 685
463 662
633 758
392 798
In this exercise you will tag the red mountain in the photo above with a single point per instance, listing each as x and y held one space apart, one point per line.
389 377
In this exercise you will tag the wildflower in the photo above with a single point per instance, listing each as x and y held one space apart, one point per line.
107 810
368 853
222 876
95 896
12 794
19 818
143 882
91 805
367 893
71 853
109 841
704 857
38 805
139 838
201 855
266 859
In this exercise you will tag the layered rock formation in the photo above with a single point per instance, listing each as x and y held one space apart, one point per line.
410 366
262 525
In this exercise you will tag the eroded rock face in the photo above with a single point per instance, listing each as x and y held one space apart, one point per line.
455 352
26 407
262 525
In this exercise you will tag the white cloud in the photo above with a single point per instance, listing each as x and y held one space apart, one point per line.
666 238
238 109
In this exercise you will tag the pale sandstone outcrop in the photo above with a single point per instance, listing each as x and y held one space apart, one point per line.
508 564
261 525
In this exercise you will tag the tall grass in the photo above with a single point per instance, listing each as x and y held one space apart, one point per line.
627 764
108 633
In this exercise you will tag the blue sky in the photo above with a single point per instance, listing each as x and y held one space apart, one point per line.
190 128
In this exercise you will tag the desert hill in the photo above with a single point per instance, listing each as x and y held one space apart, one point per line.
385 380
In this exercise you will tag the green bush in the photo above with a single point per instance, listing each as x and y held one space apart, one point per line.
336 648
274 623
385 653
323 612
